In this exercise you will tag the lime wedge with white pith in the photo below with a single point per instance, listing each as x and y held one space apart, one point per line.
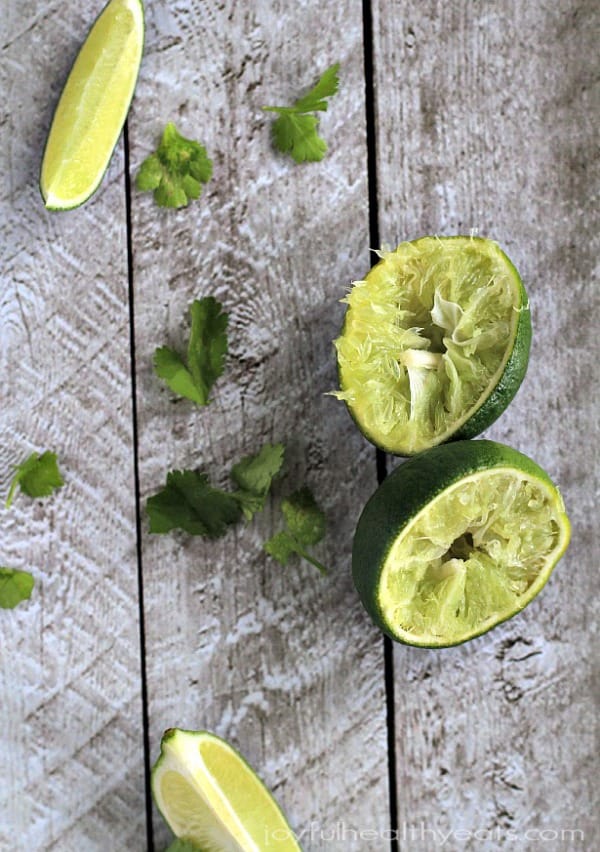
209 795
457 540
435 343
93 106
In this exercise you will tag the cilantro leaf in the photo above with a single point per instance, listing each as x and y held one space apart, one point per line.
176 171
305 525
253 475
188 502
303 518
326 87
169 367
281 546
295 132
207 348
297 135
37 476
15 586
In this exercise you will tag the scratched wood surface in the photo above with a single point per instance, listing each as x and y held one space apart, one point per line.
488 123
70 704
484 118
280 661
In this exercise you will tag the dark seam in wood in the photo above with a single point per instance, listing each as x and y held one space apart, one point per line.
380 458
136 477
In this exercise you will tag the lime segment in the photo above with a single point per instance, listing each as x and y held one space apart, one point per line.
93 106
208 794
457 540
435 343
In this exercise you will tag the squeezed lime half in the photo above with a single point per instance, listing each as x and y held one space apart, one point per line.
435 343
457 540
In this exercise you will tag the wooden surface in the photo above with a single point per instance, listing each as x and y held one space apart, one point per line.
484 120
489 125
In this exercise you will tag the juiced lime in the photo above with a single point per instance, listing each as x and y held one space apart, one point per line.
456 540
435 343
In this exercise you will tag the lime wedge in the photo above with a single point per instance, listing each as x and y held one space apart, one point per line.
435 343
209 795
93 106
457 540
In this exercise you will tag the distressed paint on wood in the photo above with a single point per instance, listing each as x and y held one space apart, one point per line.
72 761
280 661
486 124
484 121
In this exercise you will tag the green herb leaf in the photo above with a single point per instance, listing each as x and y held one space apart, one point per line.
207 348
281 546
295 132
15 586
254 474
305 525
188 502
37 476
297 135
169 367
176 171
327 86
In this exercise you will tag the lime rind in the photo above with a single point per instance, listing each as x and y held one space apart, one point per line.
93 106
457 540
435 341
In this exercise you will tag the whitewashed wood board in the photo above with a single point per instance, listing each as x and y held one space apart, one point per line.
488 124
72 755
281 661
484 120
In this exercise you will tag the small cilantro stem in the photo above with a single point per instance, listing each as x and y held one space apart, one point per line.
11 493
312 561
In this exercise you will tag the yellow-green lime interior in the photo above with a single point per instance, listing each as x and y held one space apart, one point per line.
190 816
93 104
474 556
249 799
426 339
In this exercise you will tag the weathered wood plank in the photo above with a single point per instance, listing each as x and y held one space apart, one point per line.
71 742
486 123
281 662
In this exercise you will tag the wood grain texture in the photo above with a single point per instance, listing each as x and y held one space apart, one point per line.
485 123
280 661
72 762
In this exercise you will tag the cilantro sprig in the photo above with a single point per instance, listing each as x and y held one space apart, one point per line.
177 171
305 526
295 130
37 476
253 475
190 503
206 352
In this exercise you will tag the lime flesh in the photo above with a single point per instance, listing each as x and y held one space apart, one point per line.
457 540
209 795
93 106
435 343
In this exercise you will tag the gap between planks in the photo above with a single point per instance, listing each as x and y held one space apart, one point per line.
380 457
